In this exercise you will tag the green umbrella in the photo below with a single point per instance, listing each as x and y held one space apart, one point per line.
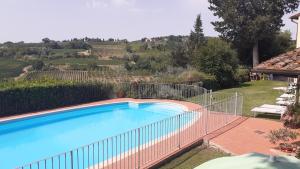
252 161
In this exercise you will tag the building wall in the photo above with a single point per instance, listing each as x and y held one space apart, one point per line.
298 34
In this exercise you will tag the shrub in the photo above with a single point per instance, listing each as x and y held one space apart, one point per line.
211 83
283 136
135 57
152 91
242 75
192 76
167 92
38 65
150 64
291 118
179 56
23 97
218 59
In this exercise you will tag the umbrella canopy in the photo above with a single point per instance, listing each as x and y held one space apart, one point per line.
252 161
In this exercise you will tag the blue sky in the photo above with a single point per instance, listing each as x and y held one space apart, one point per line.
32 20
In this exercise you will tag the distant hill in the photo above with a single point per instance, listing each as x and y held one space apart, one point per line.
80 54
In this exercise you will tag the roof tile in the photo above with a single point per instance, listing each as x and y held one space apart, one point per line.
288 61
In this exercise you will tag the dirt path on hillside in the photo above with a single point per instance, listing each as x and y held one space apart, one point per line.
24 72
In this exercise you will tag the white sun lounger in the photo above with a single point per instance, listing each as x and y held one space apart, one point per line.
281 99
285 103
274 107
280 88
288 96
267 110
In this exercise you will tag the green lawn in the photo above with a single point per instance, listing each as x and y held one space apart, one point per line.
10 67
106 50
63 52
194 158
257 93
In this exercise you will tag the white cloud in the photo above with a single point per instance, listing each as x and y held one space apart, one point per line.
120 3
110 3
96 4
197 2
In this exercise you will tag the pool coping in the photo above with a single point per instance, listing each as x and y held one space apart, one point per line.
188 106
186 141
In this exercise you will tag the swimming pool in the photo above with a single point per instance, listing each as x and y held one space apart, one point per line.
33 138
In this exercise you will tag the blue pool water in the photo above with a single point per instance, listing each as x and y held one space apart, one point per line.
26 140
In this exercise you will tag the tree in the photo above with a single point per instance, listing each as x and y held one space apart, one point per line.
280 43
129 48
269 47
135 57
218 59
46 40
247 22
197 38
38 65
179 56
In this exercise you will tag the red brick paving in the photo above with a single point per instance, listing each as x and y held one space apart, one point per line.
248 136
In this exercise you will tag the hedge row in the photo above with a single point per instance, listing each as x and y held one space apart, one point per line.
30 98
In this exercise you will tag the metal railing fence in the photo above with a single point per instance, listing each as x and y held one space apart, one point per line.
147 145
191 93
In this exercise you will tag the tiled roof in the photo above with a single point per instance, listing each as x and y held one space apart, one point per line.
287 63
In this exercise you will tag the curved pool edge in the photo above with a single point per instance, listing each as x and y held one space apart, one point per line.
188 106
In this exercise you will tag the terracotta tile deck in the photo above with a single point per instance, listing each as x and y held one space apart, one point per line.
248 136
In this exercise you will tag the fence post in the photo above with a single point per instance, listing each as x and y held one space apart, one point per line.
210 97
206 120
71 159
206 98
139 149
241 105
235 105
179 130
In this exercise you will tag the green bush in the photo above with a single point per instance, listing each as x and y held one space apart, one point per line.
162 91
218 59
211 83
242 75
24 97
192 76
150 64
38 65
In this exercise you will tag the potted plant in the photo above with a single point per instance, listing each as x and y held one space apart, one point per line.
284 136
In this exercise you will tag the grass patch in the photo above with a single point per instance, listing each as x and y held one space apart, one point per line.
194 158
10 67
257 93
106 50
